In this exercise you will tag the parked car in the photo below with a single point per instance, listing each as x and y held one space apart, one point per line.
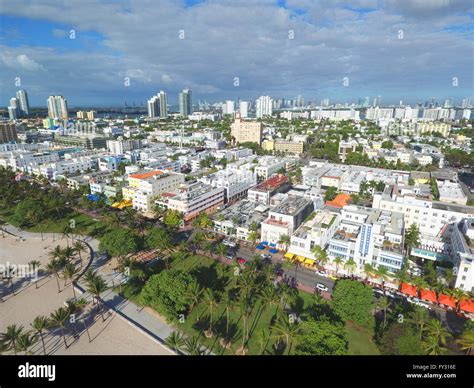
332 277
240 260
229 243
266 256
322 273
229 256
321 287
378 291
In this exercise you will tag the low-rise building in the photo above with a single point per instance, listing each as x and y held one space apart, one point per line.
265 190
192 198
285 218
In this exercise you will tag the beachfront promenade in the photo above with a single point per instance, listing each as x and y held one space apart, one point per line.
141 319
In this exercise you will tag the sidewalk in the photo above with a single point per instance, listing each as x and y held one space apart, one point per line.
149 324
141 319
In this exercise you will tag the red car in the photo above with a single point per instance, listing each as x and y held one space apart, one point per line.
241 261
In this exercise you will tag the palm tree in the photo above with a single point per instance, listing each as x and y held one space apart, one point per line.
244 306
286 329
53 267
459 296
412 238
192 346
194 293
433 347
401 276
419 317
56 253
34 265
228 301
39 325
338 262
350 265
284 240
90 275
263 337
320 254
211 299
175 341
368 270
58 319
78 246
221 249
69 272
382 273
384 305
96 287
11 336
466 341
25 342
436 334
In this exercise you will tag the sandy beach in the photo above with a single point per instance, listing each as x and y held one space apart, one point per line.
114 336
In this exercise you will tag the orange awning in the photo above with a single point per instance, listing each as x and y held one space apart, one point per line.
467 306
409 289
428 295
447 300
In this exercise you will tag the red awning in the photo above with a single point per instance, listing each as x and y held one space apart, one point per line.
428 295
467 306
409 289
447 300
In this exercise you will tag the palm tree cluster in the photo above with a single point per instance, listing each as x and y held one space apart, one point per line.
241 301
61 262
16 339
96 285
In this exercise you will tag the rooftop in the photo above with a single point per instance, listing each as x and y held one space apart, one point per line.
272 183
292 205
146 175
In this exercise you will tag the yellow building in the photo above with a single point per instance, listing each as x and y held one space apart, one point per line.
268 145
289 147
246 131
434 126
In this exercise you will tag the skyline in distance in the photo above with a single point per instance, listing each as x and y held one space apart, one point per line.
108 53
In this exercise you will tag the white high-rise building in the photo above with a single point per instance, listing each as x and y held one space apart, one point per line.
229 107
14 108
243 109
22 97
163 104
153 105
263 106
57 107
185 103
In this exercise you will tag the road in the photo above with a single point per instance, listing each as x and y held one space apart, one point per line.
303 275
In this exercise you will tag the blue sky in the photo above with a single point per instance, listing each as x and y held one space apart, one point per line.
229 40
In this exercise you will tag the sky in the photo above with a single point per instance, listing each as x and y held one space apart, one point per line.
106 52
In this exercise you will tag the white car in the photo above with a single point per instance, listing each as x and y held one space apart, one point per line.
322 273
321 287
378 291
229 243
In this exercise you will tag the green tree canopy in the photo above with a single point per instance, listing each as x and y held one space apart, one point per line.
354 301
119 242
321 337
167 293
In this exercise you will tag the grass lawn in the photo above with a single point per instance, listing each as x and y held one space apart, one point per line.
260 319
83 223
360 341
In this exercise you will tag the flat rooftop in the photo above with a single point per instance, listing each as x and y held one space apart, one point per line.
291 206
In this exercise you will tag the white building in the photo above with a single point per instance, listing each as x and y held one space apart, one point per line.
190 199
263 106
369 236
285 218
462 242
235 182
